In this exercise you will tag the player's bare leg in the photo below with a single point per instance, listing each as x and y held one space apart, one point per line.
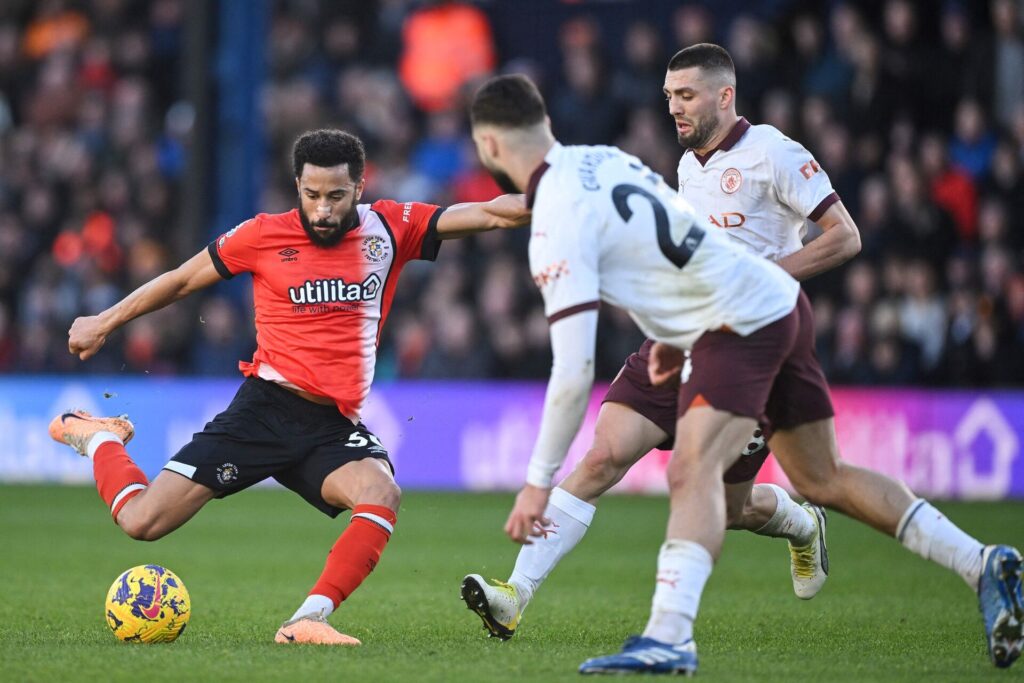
369 490
696 524
693 540
809 455
167 503
994 572
621 437
145 511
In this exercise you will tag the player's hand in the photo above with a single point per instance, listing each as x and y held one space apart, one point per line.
527 516
86 336
509 211
665 365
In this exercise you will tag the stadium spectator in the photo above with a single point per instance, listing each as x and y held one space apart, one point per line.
93 124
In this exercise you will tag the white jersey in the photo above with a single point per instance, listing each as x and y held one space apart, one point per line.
605 227
758 186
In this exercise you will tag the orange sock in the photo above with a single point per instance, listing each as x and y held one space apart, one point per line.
118 479
356 552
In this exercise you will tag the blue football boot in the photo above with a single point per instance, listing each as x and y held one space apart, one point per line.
999 597
646 656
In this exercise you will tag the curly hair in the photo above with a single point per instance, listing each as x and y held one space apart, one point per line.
329 147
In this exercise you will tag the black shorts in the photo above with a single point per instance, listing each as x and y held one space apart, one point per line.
632 387
267 431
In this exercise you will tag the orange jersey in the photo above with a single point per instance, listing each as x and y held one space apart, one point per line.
320 310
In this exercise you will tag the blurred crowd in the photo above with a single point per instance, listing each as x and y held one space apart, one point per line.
915 110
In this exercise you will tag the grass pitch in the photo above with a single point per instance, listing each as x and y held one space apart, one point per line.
248 561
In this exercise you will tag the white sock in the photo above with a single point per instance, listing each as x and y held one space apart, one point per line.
683 569
313 604
791 520
98 439
570 518
927 532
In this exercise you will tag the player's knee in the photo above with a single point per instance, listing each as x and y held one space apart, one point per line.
599 466
141 527
382 490
819 490
386 493
685 466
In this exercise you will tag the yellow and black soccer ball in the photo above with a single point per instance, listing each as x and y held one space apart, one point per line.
148 604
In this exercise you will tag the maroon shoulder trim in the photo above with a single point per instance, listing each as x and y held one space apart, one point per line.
531 187
822 207
573 310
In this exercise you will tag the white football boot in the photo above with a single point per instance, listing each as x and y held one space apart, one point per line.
495 602
809 564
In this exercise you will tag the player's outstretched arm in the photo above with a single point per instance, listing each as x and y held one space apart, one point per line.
461 220
572 376
88 334
838 242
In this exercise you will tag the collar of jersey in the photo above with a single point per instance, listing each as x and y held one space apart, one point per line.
538 173
728 142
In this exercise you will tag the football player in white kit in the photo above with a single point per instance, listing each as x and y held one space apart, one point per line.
760 187
606 228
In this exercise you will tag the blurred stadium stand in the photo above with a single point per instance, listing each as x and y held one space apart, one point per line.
132 132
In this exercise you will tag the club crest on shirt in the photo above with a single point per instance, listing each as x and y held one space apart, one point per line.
229 233
227 473
731 180
375 248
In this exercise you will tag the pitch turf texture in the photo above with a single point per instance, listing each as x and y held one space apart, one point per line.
248 561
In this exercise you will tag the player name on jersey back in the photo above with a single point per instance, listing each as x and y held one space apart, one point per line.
605 227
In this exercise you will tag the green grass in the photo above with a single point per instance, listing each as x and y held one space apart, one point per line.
248 561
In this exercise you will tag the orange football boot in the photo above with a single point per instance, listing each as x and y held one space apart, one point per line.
312 629
75 428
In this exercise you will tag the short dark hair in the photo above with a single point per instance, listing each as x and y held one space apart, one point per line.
706 56
329 147
509 102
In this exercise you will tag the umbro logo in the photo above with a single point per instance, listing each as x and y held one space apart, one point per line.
288 254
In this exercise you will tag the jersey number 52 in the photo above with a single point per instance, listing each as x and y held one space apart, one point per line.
678 254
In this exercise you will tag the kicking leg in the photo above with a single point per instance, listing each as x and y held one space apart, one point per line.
166 504
144 511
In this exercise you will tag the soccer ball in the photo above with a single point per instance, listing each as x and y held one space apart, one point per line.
148 604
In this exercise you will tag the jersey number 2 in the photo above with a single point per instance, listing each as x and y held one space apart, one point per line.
678 254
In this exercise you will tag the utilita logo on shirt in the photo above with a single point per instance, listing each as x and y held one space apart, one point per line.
334 291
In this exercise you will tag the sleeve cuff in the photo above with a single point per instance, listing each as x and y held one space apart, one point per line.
822 207
218 262
573 310
540 475
431 244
